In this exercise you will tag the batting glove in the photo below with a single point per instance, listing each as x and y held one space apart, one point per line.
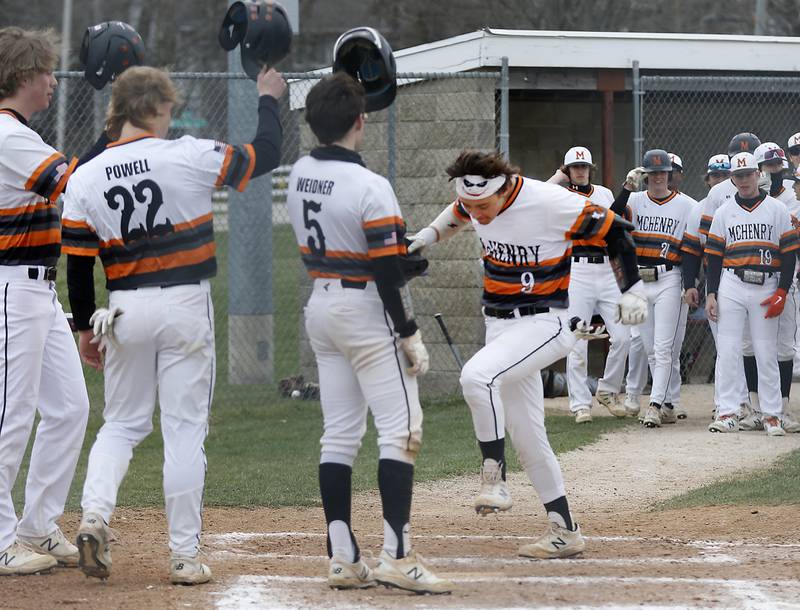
775 303
102 322
632 305
417 354
584 330
764 181
635 178
424 238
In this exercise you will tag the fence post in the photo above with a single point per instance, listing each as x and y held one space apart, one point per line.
637 114
250 297
504 135
391 143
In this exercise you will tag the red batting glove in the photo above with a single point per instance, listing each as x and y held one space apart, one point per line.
775 303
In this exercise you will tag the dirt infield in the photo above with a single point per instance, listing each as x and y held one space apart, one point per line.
714 557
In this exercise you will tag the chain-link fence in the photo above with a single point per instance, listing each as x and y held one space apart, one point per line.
695 118
261 286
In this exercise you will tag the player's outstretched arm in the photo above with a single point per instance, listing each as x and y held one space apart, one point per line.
443 227
269 134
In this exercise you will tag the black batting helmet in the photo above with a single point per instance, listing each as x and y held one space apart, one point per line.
366 56
656 160
262 30
743 142
109 48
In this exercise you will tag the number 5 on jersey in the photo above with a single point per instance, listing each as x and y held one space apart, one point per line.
317 246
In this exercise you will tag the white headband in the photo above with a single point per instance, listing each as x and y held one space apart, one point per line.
472 188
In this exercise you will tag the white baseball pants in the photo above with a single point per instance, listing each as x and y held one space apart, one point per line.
166 344
592 287
739 307
503 388
361 366
740 378
637 365
787 329
661 333
41 370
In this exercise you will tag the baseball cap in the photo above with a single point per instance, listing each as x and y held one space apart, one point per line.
719 163
794 144
676 161
576 155
742 162
768 151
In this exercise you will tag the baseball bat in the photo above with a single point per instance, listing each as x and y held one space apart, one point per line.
449 340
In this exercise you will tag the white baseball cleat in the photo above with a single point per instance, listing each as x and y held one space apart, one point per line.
668 414
94 546
583 415
652 416
724 423
751 419
19 559
611 402
409 573
56 545
790 424
772 426
188 571
343 574
631 405
493 495
680 412
555 543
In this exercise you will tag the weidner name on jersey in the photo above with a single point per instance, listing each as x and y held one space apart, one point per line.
314 186
124 170
657 224
511 253
760 231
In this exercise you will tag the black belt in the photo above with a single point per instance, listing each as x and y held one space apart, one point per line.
528 310
46 273
352 284
667 266
596 260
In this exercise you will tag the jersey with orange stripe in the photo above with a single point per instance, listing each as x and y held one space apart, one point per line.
752 238
719 194
529 263
343 215
660 226
32 176
599 195
144 206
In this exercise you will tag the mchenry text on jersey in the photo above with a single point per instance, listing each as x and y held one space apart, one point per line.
657 224
511 253
123 170
761 231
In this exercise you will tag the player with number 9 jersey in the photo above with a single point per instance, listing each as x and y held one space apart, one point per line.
143 205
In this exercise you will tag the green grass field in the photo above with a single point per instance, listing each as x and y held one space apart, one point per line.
268 456
779 484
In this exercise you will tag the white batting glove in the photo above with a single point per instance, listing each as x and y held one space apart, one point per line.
635 178
423 239
102 322
632 305
417 354
764 181
584 330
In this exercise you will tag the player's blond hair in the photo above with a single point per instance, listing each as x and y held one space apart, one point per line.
135 97
25 53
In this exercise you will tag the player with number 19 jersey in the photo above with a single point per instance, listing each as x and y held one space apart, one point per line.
144 206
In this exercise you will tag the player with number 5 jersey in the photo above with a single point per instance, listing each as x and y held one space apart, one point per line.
144 207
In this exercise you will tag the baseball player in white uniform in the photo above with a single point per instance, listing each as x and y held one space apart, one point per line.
41 370
526 228
718 170
793 151
751 258
592 288
144 207
366 342
660 217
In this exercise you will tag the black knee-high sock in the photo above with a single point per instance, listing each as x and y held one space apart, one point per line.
335 489
396 481
495 450
751 373
786 368
561 507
